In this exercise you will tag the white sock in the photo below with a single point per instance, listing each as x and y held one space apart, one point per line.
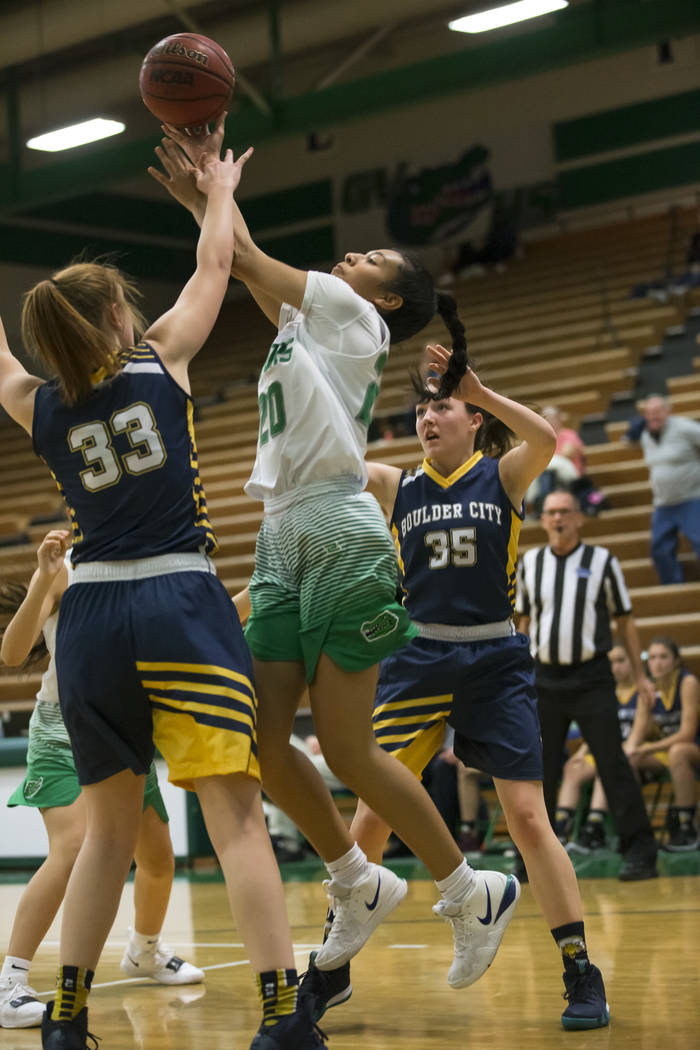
457 885
143 942
15 967
349 869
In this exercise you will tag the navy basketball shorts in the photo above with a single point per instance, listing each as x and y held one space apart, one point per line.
156 661
484 689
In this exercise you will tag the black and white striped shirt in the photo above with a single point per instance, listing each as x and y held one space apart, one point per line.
570 599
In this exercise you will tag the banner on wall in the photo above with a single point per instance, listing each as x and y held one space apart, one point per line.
438 204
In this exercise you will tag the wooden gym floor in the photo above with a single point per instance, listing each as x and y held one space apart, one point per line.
644 936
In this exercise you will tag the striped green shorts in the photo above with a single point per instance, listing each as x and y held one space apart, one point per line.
52 779
325 580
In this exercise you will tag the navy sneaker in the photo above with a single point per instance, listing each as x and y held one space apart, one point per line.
295 1032
321 989
586 994
66 1035
591 837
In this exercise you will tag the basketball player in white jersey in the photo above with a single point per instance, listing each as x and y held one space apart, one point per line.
323 594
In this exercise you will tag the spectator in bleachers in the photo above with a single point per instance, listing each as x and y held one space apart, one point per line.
567 468
671 447
674 726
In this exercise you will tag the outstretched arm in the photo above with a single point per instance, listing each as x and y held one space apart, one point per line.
521 465
17 386
181 332
47 585
270 282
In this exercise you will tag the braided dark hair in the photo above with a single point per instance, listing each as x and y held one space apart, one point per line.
420 304
493 437
12 594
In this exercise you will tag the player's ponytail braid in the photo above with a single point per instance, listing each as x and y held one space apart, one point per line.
420 304
458 363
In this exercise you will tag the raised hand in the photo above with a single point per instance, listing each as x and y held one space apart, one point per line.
213 172
197 143
180 176
52 552
436 360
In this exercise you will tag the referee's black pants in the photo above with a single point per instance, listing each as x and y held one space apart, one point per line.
593 705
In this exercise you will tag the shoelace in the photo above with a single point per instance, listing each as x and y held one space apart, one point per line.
20 988
580 982
335 906
321 1036
460 930
95 1041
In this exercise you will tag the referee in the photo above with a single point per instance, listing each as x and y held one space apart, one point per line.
567 593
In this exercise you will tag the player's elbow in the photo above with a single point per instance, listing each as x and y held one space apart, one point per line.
12 656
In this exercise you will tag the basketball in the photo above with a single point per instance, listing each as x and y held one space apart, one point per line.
186 80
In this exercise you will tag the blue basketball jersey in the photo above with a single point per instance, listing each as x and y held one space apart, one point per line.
458 543
626 708
125 462
667 709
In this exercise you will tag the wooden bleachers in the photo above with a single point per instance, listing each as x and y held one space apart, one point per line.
558 327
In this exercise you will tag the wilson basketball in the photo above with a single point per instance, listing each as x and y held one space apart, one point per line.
186 80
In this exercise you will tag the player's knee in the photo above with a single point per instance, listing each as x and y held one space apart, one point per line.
528 825
680 755
65 851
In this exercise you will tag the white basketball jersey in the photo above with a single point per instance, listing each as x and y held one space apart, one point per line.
317 389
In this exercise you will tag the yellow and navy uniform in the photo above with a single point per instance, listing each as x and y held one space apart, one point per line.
627 697
149 649
458 543
668 708
125 461
457 539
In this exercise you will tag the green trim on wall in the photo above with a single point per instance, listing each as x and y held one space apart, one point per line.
51 248
627 126
313 200
642 173
574 35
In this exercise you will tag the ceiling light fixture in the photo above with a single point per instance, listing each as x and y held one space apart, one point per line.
76 135
496 17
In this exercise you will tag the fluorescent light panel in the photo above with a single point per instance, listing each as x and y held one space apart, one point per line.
506 15
76 135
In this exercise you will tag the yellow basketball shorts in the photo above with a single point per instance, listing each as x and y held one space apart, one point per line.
160 659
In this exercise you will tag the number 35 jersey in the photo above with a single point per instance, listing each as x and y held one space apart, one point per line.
458 543
125 461
316 391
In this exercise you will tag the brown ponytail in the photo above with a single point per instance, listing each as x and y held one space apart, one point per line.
65 324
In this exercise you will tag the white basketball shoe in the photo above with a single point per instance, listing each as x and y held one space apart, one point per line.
478 924
357 913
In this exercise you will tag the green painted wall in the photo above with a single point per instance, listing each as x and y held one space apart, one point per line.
642 173
627 126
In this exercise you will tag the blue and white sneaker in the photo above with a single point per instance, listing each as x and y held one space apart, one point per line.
586 994
357 913
478 924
